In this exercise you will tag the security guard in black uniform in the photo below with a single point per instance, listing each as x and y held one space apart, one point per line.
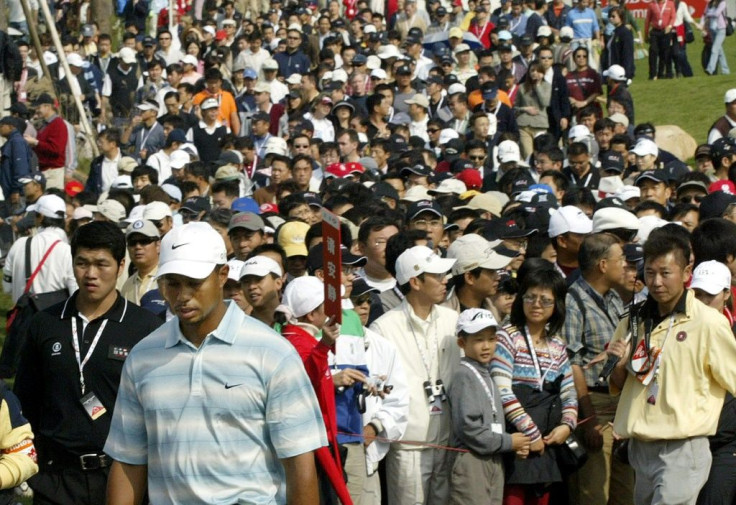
70 369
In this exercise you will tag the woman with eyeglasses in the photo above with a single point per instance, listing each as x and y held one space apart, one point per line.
532 372
531 107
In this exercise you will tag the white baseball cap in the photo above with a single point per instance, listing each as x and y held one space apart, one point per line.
122 182
449 186
569 219
645 146
294 79
379 73
456 88
615 72
579 131
730 95
628 192
475 320
172 190
508 151
304 294
446 135
75 60
418 260
50 206
155 211
712 277
472 251
192 250
178 159
260 266
234 267
189 59
127 55
611 218
112 210
647 224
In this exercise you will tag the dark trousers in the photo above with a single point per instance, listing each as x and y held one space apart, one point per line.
720 489
659 54
68 486
679 57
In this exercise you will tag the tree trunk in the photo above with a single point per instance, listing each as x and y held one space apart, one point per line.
103 12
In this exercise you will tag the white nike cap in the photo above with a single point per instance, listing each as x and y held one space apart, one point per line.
192 250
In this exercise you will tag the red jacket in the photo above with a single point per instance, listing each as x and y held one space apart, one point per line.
51 148
314 356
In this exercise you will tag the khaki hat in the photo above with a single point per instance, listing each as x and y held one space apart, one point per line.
483 202
144 227
127 164
112 210
227 173
420 100
262 87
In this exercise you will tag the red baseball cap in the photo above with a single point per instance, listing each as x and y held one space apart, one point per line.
339 170
471 178
269 207
220 35
73 188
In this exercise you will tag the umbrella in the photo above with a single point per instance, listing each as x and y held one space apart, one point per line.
444 38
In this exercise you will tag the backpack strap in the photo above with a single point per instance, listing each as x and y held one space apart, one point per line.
40 264
28 264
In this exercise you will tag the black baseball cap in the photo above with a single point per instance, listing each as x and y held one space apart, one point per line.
611 160
196 204
652 175
417 208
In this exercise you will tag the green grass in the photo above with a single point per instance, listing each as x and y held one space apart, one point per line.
693 104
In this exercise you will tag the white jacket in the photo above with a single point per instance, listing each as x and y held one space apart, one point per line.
402 327
390 414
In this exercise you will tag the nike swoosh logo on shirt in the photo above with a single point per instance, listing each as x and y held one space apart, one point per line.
230 386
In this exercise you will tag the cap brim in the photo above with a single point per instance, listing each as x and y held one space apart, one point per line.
477 326
440 266
705 286
192 269
295 250
495 261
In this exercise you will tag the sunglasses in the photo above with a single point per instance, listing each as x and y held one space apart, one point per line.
477 158
144 241
691 199
432 130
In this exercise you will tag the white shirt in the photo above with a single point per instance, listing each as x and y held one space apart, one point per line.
109 171
714 134
279 90
252 60
161 162
323 128
56 272
419 128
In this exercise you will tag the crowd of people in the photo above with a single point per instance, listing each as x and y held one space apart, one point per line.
536 296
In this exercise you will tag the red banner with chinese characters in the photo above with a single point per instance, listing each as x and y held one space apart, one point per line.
332 261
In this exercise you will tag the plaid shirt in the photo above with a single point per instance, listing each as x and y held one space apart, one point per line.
588 329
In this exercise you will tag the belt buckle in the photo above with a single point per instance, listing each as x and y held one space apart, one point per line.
90 461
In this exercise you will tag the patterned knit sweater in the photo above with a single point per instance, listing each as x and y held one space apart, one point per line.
513 365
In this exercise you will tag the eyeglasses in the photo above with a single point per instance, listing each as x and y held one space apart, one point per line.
362 299
533 300
423 224
516 244
294 38
545 57
691 199
477 158
132 242
164 38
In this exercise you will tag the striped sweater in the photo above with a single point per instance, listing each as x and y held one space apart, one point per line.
513 365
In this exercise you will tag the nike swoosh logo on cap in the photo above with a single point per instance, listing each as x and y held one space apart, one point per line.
178 245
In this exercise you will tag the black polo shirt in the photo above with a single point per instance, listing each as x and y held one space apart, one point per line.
48 382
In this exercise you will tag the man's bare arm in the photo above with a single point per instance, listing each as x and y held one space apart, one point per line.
126 484
301 480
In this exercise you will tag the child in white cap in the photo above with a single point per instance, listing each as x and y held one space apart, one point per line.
477 416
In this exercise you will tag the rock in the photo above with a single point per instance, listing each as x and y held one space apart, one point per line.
674 139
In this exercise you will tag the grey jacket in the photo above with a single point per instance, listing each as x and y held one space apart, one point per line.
472 414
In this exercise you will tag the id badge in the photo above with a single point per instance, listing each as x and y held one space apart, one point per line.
93 406
435 406
497 428
652 392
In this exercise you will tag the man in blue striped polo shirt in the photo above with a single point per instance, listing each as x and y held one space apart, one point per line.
214 407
